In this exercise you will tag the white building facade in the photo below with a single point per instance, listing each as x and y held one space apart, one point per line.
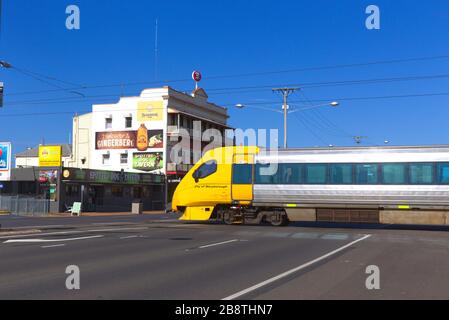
136 134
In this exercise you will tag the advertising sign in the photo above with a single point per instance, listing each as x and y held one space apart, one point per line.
115 140
49 178
5 161
50 156
141 139
150 111
148 161
112 177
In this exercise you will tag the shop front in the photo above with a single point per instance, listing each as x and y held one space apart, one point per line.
111 191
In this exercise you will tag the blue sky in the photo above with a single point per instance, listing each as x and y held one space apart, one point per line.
116 45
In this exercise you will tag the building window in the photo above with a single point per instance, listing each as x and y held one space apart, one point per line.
173 119
124 158
128 122
106 159
108 123
117 191
72 190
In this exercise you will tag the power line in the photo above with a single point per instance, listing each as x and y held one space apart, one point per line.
326 120
309 129
263 88
247 89
246 75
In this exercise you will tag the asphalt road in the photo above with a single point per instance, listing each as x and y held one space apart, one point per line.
156 258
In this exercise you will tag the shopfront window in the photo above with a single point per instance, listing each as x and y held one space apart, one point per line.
117 191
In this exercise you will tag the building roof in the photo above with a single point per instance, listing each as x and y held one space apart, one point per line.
34 152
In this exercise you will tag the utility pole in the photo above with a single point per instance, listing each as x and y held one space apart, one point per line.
286 92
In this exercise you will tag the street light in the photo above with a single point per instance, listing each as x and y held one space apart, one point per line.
5 64
332 104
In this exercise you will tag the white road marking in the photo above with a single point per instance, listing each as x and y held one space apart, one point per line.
112 223
116 229
40 234
217 244
67 232
53 246
289 272
129 237
50 240
48 226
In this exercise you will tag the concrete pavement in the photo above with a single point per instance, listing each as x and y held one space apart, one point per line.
154 259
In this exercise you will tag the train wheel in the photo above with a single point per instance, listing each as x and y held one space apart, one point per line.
278 219
228 217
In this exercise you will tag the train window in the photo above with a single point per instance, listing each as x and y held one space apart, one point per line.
290 173
264 175
394 173
205 170
443 173
366 173
316 173
341 173
421 173
242 174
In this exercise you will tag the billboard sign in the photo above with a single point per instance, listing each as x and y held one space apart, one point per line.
153 139
148 111
50 156
115 140
5 161
148 161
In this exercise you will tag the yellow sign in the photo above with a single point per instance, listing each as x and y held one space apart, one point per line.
50 156
150 111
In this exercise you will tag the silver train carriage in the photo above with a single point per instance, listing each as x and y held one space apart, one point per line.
353 177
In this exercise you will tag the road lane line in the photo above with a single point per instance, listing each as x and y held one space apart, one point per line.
50 240
43 226
117 229
39 234
217 244
129 237
289 272
67 232
53 246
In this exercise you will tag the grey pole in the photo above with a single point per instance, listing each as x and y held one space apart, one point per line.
285 93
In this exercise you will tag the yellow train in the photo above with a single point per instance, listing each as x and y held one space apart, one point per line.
220 187
347 184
